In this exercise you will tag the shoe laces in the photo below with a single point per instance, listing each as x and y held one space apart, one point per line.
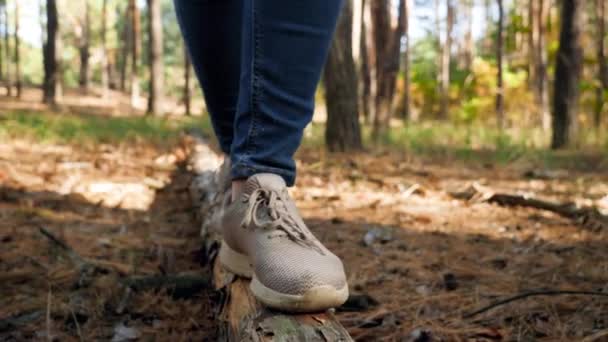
280 217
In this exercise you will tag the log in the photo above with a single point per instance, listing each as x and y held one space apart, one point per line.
240 316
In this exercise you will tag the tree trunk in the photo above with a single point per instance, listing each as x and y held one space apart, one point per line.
567 74
342 132
532 27
2 4
500 110
105 69
126 48
155 34
469 44
50 49
387 43
365 71
487 42
446 53
540 66
405 98
135 40
18 81
600 6
7 53
187 83
83 49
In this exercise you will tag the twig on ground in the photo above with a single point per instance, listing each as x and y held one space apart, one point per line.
85 268
532 294
588 217
596 336
78 331
69 251
49 299
14 321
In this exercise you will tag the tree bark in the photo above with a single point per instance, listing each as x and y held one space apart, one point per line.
2 19
187 83
18 81
126 48
567 74
469 44
105 68
155 34
343 132
50 49
84 48
500 110
541 91
446 54
387 43
602 63
364 68
135 44
7 53
405 63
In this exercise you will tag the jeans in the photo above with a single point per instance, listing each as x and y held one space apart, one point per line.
259 63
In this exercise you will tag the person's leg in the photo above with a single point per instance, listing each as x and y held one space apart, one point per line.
212 31
285 44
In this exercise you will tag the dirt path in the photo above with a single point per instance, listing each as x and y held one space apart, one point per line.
420 257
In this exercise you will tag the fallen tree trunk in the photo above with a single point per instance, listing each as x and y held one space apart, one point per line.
240 316
587 217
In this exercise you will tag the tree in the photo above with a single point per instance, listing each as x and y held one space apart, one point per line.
500 110
126 47
539 60
105 68
405 99
50 52
602 87
343 132
446 53
155 33
469 44
2 4
18 81
387 46
84 37
135 43
7 52
187 82
567 74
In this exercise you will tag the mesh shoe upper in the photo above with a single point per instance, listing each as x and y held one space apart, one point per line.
265 225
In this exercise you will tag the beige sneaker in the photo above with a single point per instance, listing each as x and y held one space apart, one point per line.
265 238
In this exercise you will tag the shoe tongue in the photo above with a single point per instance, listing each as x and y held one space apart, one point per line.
266 181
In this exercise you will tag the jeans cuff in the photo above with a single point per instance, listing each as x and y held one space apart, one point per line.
242 170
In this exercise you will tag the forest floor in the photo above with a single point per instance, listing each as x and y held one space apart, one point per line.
422 258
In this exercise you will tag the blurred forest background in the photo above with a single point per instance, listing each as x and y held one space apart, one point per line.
472 169
419 74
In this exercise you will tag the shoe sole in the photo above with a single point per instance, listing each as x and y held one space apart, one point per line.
317 299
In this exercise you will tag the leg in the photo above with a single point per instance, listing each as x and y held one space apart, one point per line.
285 45
212 32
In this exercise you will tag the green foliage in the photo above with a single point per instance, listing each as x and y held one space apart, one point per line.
55 127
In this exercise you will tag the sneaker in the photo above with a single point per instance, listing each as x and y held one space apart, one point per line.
266 239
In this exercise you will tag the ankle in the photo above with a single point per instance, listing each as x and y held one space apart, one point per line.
238 185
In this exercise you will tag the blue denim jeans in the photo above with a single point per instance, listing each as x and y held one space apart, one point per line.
259 63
